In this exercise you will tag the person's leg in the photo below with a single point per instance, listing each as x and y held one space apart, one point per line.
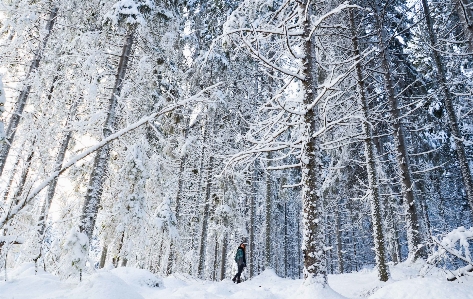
235 277
240 269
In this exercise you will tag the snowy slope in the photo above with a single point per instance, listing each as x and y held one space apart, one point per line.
129 283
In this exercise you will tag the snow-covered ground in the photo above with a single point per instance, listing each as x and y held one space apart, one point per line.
129 283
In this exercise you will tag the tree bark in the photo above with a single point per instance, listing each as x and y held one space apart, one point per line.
23 97
286 261
267 252
413 239
12 176
353 238
396 246
214 272
251 248
312 217
103 256
224 258
339 240
117 259
203 237
208 185
24 174
94 191
378 234
172 254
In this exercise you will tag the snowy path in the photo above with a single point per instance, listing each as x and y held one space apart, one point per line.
129 283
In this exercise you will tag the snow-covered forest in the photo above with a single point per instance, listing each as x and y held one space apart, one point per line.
332 137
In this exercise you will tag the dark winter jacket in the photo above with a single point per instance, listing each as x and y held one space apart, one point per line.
240 257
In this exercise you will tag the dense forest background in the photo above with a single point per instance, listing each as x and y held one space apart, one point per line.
331 136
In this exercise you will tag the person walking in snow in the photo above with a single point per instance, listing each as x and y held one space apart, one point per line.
240 259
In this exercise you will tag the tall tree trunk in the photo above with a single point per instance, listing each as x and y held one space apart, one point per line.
355 258
448 101
94 191
423 205
59 160
182 164
103 256
24 174
393 227
170 258
396 246
286 261
116 260
440 206
328 241
25 92
251 248
465 13
180 180
339 240
300 254
214 272
378 235
223 261
413 239
267 249
12 176
313 239
208 185
203 237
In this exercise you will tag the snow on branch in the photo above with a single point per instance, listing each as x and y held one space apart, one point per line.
9 214
456 245
129 12
268 63
334 11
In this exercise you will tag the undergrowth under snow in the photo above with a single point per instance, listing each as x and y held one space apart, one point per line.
130 283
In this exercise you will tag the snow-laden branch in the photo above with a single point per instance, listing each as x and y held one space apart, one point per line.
296 32
329 84
269 63
284 166
457 244
9 214
334 11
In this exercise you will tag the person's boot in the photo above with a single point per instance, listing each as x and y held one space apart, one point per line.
238 280
234 279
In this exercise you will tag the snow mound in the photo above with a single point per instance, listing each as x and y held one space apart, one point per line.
131 283
268 275
24 270
22 283
310 289
102 285
425 288
314 291
138 277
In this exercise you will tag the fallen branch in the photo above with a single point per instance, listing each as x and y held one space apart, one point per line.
448 246
460 272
